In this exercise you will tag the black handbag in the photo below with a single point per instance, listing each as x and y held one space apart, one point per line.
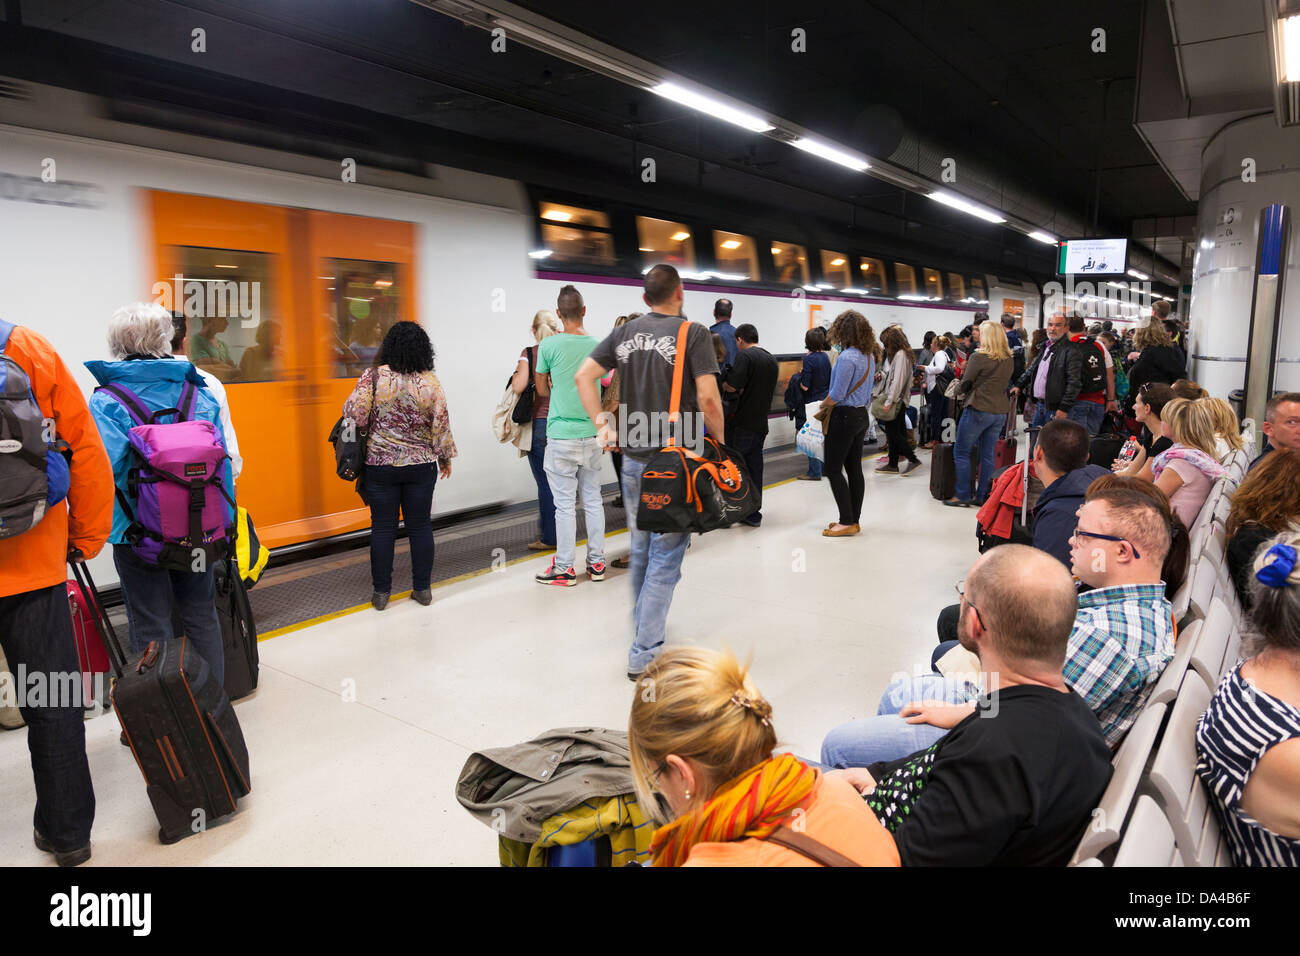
350 444
523 413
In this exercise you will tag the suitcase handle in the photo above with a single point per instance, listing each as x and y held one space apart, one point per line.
81 574
150 655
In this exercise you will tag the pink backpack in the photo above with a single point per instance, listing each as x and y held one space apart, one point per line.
180 519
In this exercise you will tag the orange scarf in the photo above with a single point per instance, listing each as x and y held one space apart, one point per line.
752 805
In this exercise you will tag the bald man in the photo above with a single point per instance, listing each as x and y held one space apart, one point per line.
995 790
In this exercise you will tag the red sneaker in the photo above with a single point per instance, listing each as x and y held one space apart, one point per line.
563 579
596 571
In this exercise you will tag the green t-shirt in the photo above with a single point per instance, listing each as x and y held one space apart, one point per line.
561 354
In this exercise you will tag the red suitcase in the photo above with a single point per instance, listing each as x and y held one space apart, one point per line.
1005 453
85 628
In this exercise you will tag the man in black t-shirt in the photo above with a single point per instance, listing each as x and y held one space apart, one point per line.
753 380
645 350
1016 779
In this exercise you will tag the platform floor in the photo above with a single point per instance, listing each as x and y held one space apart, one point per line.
498 659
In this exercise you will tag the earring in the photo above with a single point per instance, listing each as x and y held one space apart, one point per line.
688 795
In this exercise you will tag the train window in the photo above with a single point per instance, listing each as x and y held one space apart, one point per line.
905 280
361 299
577 235
977 290
873 276
791 263
933 283
956 287
735 254
225 295
661 240
835 269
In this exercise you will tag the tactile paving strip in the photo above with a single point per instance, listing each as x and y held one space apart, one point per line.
290 595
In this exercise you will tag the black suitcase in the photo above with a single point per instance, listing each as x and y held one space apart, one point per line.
943 472
180 726
238 631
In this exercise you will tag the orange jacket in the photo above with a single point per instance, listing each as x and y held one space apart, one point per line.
835 814
37 558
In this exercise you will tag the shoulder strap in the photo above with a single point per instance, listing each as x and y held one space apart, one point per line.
858 384
6 328
185 407
130 400
679 373
805 845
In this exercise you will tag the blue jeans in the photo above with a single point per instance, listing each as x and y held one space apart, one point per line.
36 632
545 503
1041 415
654 567
573 464
887 736
148 593
1088 414
408 489
976 429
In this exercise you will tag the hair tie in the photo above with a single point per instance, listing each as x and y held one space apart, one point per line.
1275 567
748 704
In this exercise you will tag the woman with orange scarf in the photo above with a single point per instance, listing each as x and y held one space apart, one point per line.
701 741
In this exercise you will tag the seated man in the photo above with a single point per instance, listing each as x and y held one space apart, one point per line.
1061 463
1016 779
1122 639
1281 424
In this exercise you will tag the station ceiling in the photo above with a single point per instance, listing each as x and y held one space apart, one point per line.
1020 87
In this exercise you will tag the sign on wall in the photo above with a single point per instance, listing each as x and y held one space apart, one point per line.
1093 257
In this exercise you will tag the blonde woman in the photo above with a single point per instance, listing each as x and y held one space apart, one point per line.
983 387
545 323
1227 430
1187 470
703 741
1155 359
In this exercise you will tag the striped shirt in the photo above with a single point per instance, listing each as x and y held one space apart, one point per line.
1241 724
1122 639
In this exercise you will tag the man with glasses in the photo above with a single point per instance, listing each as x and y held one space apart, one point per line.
1123 636
995 790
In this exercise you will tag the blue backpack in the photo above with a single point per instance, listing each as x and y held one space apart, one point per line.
34 473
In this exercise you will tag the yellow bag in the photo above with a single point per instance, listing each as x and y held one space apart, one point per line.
250 554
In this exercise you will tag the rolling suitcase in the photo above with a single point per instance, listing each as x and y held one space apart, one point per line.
943 472
238 631
180 726
92 655
1005 454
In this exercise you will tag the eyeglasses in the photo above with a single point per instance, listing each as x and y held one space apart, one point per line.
1105 537
654 777
961 592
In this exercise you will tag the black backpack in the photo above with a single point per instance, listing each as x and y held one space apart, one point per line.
1092 366
523 413
794 394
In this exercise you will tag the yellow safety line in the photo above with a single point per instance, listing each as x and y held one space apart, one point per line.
333 615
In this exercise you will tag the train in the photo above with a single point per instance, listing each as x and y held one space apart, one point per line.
292 267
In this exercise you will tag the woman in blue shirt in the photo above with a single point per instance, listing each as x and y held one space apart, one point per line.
815 380
849 397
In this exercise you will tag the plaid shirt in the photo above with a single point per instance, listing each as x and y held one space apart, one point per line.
1122 639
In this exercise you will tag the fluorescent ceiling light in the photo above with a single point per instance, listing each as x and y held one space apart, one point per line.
539 253
825 151
915 298
824 286
557 215
970 208
716 108
1118 285
1289 29
218 265
1043 237
679 236
776 251
838 262
1138 275
731 244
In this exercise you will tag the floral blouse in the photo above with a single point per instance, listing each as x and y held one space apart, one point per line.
410 426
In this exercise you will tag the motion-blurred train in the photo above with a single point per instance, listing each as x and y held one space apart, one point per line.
292 273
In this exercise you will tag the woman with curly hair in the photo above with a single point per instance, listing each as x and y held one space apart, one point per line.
401 402
850 394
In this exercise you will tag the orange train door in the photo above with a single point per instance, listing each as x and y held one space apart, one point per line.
285 307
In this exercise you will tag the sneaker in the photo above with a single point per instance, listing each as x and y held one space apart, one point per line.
623 563
596 572
62 857
563 579
810 477
887 468
379 600
540 546
908 467
424 597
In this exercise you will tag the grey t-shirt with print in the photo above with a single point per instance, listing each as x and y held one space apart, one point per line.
644 351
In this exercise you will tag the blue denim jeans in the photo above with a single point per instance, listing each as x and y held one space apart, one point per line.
980 430
1041 415
545 503
148 593
1088 414
887 736
407 489
655 567
36 632
574 464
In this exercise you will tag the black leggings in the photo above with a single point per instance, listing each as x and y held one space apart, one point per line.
843 455
896 432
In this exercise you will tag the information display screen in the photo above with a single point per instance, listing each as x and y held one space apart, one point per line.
1093 257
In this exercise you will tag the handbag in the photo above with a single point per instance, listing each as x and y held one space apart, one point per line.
350 443
823 414
878 409
523 412
504 427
